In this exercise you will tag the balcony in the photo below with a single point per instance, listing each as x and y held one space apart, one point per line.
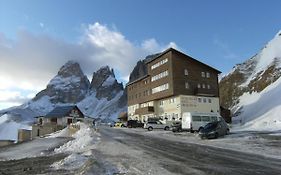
145 110
205 92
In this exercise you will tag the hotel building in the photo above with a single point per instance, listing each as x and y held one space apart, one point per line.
175 83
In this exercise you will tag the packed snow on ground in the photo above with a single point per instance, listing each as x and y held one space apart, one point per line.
261 111
9 128
265 144
78 149
34 148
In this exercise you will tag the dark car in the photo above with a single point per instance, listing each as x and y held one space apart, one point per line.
214 130
134 124
176 126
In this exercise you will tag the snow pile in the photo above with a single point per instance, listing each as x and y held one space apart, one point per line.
9 128
79 149
71 162
84 139
109 81
261 111
61 133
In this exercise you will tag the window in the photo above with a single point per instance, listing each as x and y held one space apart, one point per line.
185 72
203 86
161 103
210 100
207 74
208 86
214 118
203 74
198 85
160 88
204 100
186 85
196 118
159 63
159 76
172 100
199 100
205 118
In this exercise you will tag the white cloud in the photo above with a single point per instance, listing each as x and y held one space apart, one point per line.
30 61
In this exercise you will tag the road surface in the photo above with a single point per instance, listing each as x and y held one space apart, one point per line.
135 153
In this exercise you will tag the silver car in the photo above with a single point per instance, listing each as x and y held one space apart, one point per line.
155 125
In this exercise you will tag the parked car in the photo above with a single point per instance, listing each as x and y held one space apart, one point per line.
155 125
176 126
134 124
214 130
119 124
194 121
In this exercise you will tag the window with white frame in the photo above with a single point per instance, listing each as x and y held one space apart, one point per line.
203 86
161 103
159 63
198 85
210 100
208 74
159 76
203 74
160 88
186 85
200 100
185 72
208 86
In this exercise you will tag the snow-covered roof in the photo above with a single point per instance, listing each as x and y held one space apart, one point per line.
61 111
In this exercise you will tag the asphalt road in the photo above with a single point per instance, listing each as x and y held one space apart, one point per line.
188 158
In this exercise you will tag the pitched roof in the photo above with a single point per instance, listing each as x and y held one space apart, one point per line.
172 49
60 111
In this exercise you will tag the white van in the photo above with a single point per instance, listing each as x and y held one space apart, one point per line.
194 121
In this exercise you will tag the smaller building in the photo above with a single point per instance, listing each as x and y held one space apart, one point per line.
57 119
24 135
6 142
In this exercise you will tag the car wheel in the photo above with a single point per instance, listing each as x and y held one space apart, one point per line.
192 131
227 131
200 129
216 135
166 128
150 128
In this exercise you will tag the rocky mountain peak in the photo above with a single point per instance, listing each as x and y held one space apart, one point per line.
71 68
105 84
70 85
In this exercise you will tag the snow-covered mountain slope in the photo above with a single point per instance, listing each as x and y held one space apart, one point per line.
102 98
246 89
262 111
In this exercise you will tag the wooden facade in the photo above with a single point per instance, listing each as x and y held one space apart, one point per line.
181 69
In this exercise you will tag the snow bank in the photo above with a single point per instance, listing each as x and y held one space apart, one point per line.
62 133
79 149
84 140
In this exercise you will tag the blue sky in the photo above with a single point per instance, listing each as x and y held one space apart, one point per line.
37 37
